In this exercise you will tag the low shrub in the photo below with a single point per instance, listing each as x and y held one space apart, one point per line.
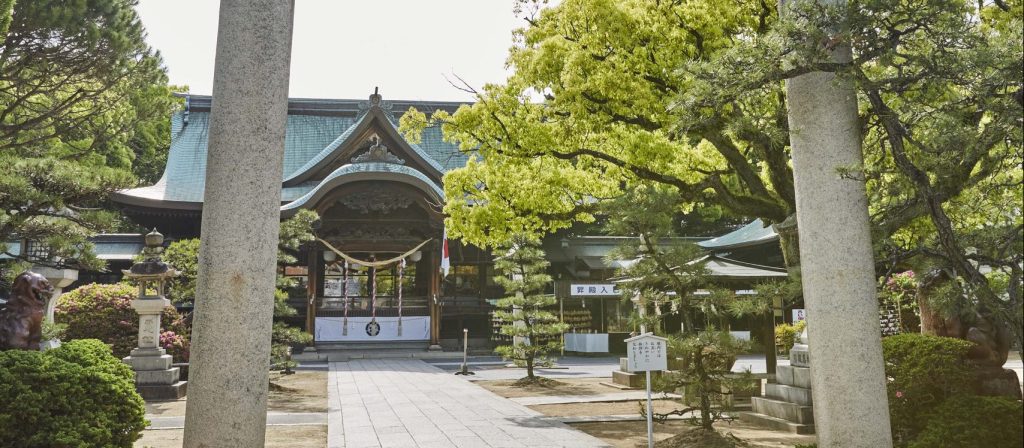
787 335
77 395
104 312
971 421
923 372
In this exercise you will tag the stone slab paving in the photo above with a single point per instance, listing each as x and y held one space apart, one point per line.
273 419
399 403
598 398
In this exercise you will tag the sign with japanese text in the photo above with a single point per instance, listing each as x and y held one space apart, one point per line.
600 289
799 314
646 352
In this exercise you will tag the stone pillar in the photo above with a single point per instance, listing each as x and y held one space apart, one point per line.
230 354
850 405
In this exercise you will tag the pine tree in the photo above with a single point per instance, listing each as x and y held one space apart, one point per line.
535 332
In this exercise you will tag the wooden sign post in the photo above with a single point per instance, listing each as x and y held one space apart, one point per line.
645 353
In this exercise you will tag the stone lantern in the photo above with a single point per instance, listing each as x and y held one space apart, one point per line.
154 376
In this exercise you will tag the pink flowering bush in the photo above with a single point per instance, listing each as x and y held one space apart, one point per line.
176 345
900 293
104 312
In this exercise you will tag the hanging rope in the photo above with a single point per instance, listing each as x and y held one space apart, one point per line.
344 294
372 263
373 294
401 269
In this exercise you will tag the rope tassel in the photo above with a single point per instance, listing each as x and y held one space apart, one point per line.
401 270
344 295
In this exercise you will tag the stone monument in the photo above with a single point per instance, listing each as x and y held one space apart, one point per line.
230 356
21 317
155 379
59 278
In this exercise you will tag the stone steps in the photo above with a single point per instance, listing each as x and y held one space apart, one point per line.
786 405
787 393
781 409
776 423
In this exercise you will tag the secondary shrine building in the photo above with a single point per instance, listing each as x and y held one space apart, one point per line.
380 201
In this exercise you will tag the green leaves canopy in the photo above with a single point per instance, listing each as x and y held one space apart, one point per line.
82 98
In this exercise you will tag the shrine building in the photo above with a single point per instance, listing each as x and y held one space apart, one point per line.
374 275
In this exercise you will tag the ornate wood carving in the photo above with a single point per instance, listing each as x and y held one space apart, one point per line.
378 152
383 202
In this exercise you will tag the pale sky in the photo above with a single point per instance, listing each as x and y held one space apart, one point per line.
343 48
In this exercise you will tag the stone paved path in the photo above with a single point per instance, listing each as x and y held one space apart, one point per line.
598 398
408 403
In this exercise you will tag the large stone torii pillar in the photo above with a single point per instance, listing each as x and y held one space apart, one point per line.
227 403
847 376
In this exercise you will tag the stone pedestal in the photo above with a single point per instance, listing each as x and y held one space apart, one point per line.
59 279
155 379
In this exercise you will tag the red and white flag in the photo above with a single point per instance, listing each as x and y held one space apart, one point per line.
445 262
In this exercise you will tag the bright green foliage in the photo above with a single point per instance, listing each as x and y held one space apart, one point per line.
77 395
786 335
537 332
969 421
82 99
6 8
104 312
183 255
923 371
690 94
610 73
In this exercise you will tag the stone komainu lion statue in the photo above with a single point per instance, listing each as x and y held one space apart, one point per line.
21 319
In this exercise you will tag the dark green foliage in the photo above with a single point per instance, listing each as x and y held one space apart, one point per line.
183 255
83 101
924 371
104 312
522 272
969 421
667 272
78 395
705 376
284 337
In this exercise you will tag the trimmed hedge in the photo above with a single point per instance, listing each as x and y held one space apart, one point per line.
77 395
972 421
923 371
104 312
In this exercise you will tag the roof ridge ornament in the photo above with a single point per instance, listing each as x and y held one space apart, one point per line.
376 101
377 153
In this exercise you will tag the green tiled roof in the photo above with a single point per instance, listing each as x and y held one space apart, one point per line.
315 128
751 234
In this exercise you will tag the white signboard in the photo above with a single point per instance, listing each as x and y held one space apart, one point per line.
799 314
646 352
594 289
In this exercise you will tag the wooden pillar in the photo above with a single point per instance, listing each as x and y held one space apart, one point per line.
434 299
312 277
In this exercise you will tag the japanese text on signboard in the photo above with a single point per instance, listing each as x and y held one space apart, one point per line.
604 289
647 353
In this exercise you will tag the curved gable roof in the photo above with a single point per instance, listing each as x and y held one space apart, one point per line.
317 130
356 172
385 123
